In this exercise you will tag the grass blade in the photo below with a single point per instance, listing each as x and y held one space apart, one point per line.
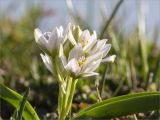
111 18
23 104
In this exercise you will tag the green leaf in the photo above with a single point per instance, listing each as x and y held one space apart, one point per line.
122 105
20 112
15 99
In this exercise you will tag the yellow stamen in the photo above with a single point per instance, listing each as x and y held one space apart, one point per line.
81 61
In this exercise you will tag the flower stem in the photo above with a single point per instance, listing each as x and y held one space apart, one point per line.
73 86
69 82
60 100
67 98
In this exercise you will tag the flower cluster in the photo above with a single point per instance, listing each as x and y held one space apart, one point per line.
75 52
69 55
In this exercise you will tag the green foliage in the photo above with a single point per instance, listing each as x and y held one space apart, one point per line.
122 105
15 99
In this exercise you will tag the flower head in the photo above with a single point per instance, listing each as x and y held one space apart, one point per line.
49 42
86 54
85 38
80 56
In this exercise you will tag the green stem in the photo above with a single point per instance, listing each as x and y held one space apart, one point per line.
60 80
73 86
65 97
69 82
56 71
60 100
68 97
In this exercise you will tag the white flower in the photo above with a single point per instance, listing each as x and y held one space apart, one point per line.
49 42
80 56
78 64
86 54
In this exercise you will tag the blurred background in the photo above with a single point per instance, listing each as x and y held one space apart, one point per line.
131 26
55 12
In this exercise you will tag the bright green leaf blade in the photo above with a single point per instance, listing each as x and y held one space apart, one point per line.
122 105
15 99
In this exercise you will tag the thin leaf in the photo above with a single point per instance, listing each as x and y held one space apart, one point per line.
122 105
23 104
111 18
15 99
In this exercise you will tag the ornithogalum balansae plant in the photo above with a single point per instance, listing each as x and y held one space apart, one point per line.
70 55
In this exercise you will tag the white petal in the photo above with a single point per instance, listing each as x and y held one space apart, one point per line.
109 59
89 74
52 41
93 66
71 38
85 35
73 67
90 44
76 52
55 40
60 34
106 49
94 35
99 45
60 30
67 32
91 59
37 34
62 61
47 61
70 34
40 39
62 56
